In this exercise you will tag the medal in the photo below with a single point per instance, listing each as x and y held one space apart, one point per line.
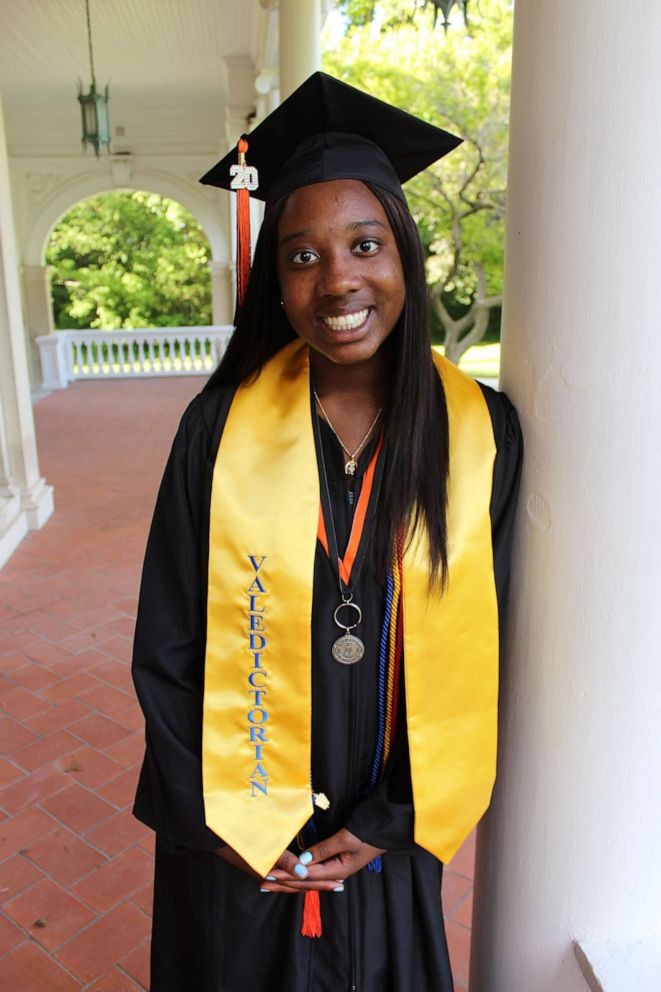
348 649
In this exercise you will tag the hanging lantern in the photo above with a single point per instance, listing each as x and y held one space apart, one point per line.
445 7
94 105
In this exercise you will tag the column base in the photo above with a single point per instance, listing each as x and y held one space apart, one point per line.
619 967
38 504
13 528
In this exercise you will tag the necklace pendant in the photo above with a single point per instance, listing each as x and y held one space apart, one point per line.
348 649
350 467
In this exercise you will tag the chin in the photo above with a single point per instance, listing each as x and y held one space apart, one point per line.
349 352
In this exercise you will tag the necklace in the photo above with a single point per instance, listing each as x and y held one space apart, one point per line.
347 649
350 466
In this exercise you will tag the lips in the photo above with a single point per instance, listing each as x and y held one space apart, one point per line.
346 321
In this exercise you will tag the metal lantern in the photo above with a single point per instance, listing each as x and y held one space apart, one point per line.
94 105
445 6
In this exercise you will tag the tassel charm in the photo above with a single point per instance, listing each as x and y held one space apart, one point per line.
311 925
244 179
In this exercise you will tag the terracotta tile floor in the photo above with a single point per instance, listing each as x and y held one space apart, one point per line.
75 867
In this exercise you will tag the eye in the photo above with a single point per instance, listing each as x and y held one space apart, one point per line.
303 257
367 246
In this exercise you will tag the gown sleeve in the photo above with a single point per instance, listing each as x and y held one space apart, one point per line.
169 645
386 818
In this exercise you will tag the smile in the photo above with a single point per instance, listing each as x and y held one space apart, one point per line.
348 321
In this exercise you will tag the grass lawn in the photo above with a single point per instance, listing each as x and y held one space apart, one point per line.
481 361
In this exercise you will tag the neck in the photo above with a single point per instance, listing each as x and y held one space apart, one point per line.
351 394
363 382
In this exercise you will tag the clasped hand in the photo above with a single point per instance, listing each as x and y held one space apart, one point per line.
323 867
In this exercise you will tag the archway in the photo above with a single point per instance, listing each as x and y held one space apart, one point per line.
207 210
210 211
128 260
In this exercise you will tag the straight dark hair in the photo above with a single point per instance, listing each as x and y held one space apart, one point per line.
415 435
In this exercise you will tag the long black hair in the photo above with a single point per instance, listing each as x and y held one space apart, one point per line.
415 437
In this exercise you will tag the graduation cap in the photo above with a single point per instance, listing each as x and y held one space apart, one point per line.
325 130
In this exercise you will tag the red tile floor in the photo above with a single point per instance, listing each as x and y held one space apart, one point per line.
75 867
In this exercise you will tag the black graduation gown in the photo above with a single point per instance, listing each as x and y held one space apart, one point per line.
213 930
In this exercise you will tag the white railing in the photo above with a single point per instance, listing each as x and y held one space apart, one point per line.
130 354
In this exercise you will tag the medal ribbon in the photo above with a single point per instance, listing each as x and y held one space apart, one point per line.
346 563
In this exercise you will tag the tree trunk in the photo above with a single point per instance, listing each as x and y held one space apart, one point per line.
468 330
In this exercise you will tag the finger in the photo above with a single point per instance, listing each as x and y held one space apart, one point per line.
331 871
296 888
291 865
325 849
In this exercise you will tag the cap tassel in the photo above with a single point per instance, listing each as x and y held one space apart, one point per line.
311 926
242 233
244 179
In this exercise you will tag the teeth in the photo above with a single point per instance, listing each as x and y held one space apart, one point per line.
348 321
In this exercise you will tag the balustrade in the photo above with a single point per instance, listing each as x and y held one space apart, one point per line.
130 354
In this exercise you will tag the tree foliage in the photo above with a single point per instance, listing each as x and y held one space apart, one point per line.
129 260
458 79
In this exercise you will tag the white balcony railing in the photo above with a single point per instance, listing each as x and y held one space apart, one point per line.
130 354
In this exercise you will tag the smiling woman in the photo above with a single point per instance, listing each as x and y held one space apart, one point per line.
317 642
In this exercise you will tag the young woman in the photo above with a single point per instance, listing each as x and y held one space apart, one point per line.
316 650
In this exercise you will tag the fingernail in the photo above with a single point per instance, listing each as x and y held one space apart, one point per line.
305 858
264 890
340 888
301 871
270 878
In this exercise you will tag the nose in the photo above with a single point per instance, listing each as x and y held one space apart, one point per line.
339 275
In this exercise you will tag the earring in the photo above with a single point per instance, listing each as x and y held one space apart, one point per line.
282 303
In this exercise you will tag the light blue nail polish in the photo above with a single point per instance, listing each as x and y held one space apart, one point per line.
301 871
340 888
264 890
271 878
305 858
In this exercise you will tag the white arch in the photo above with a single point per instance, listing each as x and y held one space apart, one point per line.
82 187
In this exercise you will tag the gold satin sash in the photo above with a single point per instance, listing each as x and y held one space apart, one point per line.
256 737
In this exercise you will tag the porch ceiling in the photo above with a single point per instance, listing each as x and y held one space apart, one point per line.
163 59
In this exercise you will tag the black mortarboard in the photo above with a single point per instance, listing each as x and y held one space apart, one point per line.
328 130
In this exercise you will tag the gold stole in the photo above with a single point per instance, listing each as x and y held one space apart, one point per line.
256 736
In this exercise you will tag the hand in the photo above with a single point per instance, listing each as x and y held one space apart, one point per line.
285 867
328 863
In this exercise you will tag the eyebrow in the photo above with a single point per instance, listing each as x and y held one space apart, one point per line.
350 227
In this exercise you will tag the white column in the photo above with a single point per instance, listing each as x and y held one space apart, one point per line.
222 292
571 847
38 310
18 447
300 24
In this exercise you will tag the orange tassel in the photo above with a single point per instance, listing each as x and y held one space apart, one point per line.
311 926
242 232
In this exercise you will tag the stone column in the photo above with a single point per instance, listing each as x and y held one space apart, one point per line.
570 849
222 292
38 310
21 486
300 23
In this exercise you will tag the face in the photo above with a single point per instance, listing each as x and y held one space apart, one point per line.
340 274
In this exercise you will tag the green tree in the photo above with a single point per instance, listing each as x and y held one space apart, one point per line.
460 80
129 260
